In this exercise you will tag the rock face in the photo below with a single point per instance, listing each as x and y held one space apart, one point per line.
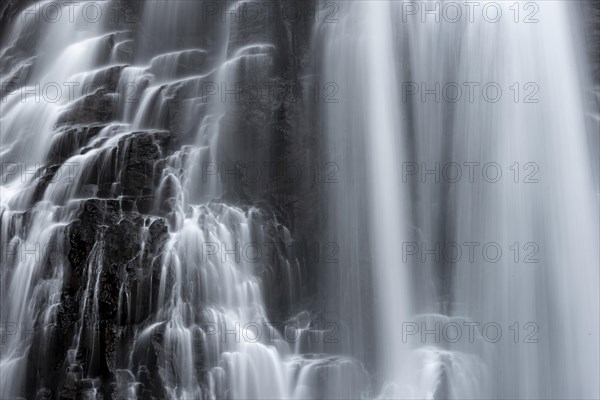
591 12
591 31
117 250
116 212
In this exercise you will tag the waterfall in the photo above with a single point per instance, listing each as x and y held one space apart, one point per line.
413 98
543 286
265 200
377 118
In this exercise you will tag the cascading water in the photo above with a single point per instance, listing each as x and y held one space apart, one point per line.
143 258
188 317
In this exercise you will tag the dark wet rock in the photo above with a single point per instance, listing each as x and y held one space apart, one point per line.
44 176
45 359
146 358
124 51
195 27
10 58
124 15
122 242
591 15
106 242
85 388
181 64
16 222
169 190
93 108
69 141
131 169
106 78
31 26
140 152
9 12
82 239
44 394
83 235
246 31
18 78
69 389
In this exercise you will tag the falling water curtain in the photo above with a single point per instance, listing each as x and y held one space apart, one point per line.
307 199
